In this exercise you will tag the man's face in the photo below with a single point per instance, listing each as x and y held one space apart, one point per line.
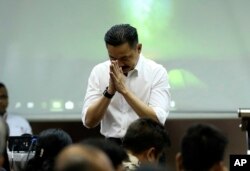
126 56
3 100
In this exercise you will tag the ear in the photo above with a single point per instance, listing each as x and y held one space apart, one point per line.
150 155
139 47
178 162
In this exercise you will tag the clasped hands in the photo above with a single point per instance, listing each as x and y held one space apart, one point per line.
117 79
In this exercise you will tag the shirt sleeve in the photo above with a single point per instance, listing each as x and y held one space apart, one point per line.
160 96
93 92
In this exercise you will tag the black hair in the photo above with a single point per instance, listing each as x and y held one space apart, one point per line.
2 85
49 143
120 34
202 147
144 133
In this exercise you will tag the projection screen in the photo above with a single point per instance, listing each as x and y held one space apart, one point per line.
48 48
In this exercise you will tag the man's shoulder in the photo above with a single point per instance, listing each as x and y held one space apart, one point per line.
152 62
101 68
16 117
152 65
18 125
102 64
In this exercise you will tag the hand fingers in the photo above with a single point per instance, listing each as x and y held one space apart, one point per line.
114 67
113 77
120 69
117 68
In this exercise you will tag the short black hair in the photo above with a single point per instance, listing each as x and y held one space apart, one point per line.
2 85
52 140
202 146
144 133
120 34
48 145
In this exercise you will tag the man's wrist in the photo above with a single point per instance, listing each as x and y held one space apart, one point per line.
110 90
107 94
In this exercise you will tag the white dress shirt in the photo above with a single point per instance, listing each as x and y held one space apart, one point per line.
17 125
148 81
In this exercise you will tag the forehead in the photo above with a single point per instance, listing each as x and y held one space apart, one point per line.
119 51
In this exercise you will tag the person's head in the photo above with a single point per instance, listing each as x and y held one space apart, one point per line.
202 149
147 139
3 140
4 100
49 143
115 152
123 46
79 157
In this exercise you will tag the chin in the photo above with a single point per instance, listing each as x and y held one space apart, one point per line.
125 71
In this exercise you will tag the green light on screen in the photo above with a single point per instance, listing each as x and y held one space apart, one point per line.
56 105
148 16
180 79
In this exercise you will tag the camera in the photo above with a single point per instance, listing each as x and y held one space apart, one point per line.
22 143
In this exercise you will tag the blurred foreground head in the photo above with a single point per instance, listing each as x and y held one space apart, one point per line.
115 152
79 157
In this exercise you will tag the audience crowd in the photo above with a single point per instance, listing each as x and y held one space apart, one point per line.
145 142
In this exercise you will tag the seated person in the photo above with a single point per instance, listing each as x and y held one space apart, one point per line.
82 157
145 141
17 124
114 151
202 149
49 143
